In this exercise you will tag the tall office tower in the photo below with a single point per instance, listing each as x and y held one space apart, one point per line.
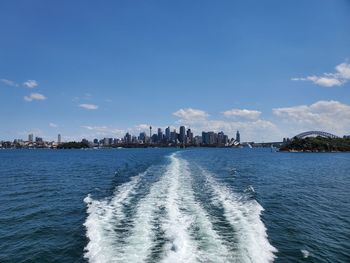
221 139
173 136
238 137
150 133
167 134
205 137
127 138
30 137
160 135
58 138
142 137
189 136
212 136
182 137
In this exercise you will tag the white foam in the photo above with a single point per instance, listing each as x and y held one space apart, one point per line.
184 214
180 247
102 218
305 253
188 229
244 217
141 239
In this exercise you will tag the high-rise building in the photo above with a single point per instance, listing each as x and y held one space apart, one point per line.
142 137
205 137
127 138
150 133
30 137
58 138
212 136
160 135
182 135
221 138
238 137
173 136
167 134
189 136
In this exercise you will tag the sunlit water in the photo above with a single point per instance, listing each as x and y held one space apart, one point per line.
171 205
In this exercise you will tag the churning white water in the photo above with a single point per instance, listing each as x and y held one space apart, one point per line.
170 224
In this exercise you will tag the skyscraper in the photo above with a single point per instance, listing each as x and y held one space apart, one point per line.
189 136
160 135
238 137
30 137
58 138
167 134
150 133
182 138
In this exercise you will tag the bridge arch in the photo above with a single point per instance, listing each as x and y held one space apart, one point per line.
316 133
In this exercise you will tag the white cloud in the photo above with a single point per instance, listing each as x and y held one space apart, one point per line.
53 125
142 127
242 114
88 106
249 125
340 77
191 114
34 96
332 116
8 82
107 131
30 83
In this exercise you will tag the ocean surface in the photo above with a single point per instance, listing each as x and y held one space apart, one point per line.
172 205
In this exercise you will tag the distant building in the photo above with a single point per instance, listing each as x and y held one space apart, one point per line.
142 137
167 134
59 139
238 136
127 138
198 140
221 137
173 136
189 136
150 133
154 138
205 137
182 134
212 138
160 135
30 137
95 141
38 139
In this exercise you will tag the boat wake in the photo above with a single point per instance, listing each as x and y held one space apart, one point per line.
168 222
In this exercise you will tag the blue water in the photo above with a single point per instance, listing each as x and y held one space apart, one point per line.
170 205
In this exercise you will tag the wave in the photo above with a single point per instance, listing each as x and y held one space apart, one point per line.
170 224
103 218
244 217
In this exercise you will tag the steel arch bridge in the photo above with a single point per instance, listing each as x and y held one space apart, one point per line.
316 133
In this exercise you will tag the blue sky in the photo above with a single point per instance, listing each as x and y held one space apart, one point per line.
93 69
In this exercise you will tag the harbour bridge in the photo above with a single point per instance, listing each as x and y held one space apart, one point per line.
316 133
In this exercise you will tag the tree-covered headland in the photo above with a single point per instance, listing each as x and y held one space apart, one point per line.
317 144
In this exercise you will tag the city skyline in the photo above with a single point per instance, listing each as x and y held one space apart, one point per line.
265 69
169 138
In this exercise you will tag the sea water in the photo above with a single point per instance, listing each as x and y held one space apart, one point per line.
172 205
